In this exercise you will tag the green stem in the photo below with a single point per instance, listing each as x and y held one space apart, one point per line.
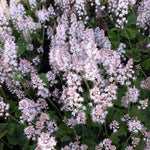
112 112
106 129
83 130
75 132
127 37
100 129
55 107
85 82
60 78
3 93
133 14
129 104
143 73
118 33
25 88
6 143
129 138
43 35
15 119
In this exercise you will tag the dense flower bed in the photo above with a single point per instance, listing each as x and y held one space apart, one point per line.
74 74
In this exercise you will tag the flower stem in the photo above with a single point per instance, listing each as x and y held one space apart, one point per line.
106 129
55 107
127 37
5 143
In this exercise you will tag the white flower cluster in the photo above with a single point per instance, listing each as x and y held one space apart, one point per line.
134 126
135 141
72 100
120 8
101 40
121 50
143 19
25 66
75 146
51 77
101 100
5 30
36 60
33 4
38 121
145 84
106 144
46 142
10 54
143 104
40 85
21 21
29 109
43 15
115 126
10 66
131 96
129 148
99 114
4 108
73 5
81 56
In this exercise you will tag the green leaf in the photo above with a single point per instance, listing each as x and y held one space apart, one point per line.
3 129
114 39
33 146
18 73
11 127
53 115
89 142
124 144
123 34
93 124
40 41
121 131
133 33
91 132
120 93
12 140
86 96
88 111
21 48
142 45
141 145
65 138
144 117
114 138
131 20
146 64
113 36
1 146
138 81
43 77
3 133
134 53
63 129
17 137
137 57
119 112
114 29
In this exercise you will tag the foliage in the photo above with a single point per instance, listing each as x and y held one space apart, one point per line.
31 97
